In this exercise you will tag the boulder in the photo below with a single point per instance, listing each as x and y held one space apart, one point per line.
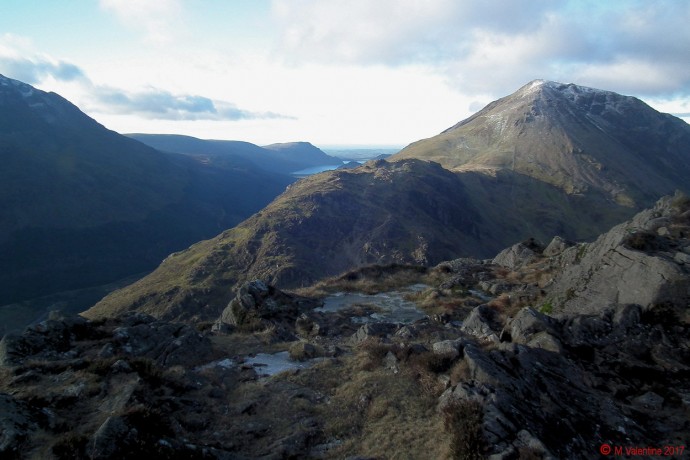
257 303
480 323
557 246
451 348
519 254
532 328
373 331
302 351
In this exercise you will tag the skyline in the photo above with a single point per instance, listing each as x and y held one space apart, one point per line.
332 72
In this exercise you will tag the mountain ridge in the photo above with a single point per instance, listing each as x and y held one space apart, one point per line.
282 158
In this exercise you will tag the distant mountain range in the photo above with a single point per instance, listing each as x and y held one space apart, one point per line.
82 205
281 158
549 160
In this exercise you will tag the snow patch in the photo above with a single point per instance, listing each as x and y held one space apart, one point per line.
532 87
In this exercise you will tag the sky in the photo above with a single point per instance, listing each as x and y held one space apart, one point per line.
335 72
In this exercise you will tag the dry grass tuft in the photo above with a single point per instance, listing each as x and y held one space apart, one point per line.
463 422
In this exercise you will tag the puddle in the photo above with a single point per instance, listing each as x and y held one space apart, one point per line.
266 365
391 306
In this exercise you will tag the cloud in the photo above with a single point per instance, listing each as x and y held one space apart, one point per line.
35 70
163 105
20 63
159 20
494 47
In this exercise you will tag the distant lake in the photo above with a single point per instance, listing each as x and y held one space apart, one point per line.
315 170
319 169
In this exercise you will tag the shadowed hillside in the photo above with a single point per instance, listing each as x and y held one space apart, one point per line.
82 205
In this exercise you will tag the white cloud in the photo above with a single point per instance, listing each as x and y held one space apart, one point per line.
163 105
148 103
495 47
18 62
159 20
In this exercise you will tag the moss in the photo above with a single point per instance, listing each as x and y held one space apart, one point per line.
546 307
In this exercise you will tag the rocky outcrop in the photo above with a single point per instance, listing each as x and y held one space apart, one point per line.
550 379
631 264
257 305
519 254
167 343
557 246
482 324
51 338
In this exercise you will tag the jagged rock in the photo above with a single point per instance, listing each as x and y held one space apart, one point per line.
649 401
451 348
542 393
557 246
623 266
17 421
480 323
12 349
373 330
534 329
52 336
519 254
257 302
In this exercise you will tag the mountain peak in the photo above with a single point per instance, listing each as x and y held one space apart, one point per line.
534 86
576 138
568 90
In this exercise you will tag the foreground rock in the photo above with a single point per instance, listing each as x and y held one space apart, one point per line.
637 262
609 367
